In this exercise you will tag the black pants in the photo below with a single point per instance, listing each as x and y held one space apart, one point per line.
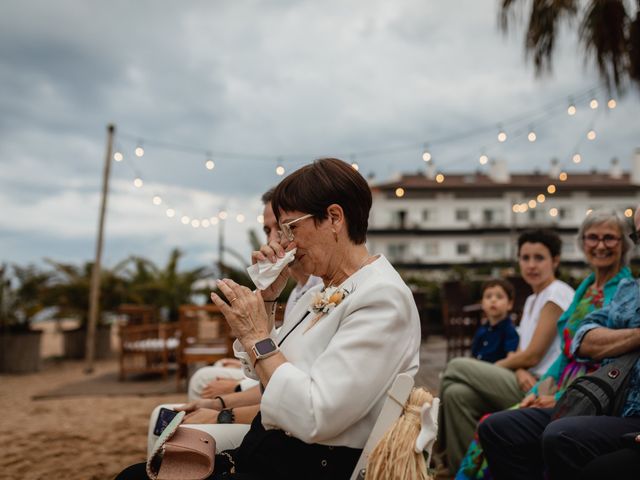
272 454
523 444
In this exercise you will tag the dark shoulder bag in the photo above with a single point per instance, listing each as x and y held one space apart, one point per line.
602 392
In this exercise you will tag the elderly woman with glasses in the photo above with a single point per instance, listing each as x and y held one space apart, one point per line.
604 239
326 371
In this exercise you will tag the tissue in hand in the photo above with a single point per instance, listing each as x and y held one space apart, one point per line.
264 273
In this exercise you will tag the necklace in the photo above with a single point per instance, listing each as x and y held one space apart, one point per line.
367 258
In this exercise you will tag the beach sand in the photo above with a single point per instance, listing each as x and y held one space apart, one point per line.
69 438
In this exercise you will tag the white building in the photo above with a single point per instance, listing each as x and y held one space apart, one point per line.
475 218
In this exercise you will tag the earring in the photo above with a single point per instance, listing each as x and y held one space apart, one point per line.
335 234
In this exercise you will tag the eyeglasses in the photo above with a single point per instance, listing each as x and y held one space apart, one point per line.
285 228
635 237
593 240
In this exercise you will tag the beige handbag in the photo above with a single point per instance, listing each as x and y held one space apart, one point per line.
181 453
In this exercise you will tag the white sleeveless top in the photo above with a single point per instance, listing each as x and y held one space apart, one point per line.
556 292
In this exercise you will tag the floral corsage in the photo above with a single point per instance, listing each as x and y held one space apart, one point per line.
325 301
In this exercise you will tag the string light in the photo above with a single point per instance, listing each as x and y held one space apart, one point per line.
214 220
205 223
591 134
280 170
426 154
240 218
551 189
563 176
399 192
139 151
209 164
223 215
515 208
593 104
260 218
355 166
523 207
588 212
483 159
137 182
541 198
532 204
157 200
611 104
170 212
571 110
502 135
118 157
195 223
185 220
628 213
440 178
553 212
532 136
576 158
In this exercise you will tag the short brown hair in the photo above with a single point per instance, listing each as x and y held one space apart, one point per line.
312 188
506 285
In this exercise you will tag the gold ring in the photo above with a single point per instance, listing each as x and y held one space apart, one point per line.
233 299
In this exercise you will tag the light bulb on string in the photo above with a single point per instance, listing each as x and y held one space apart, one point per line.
611 104
524 207
223 215
185 220
515 208
577 158
563 176
628 213
426 154
532 136
204 223
214 220
118 157
157 200
551 189
209 164
484 159
532 204
553 212
591 134
139 151
170 212
240 218
399 192
502 135
588 212
440 178
593 104
279 170
137 182
571 109
354 164
541 198
260 218
195 223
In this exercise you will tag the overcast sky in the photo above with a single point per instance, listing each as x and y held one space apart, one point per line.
269 82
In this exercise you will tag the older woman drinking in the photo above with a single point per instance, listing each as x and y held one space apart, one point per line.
326 372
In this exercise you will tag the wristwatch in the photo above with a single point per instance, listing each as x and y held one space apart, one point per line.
226 416
264 349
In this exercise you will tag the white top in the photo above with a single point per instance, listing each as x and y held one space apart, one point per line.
556 292
299 291
332 387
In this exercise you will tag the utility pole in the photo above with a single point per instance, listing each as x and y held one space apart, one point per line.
94 295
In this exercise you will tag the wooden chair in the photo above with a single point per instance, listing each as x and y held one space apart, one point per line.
205 337
460 317
145 346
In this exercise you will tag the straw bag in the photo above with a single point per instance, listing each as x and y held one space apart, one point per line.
181 453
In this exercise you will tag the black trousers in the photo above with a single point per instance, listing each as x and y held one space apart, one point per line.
272 454
525 443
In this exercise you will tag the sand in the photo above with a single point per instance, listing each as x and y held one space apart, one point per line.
69 438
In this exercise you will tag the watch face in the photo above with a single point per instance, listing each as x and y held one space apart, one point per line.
266 346
225 416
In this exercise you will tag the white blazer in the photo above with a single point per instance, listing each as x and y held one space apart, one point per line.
332 387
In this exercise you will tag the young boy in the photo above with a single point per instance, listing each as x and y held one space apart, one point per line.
496 336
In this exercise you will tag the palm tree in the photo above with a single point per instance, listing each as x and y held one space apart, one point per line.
606 30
